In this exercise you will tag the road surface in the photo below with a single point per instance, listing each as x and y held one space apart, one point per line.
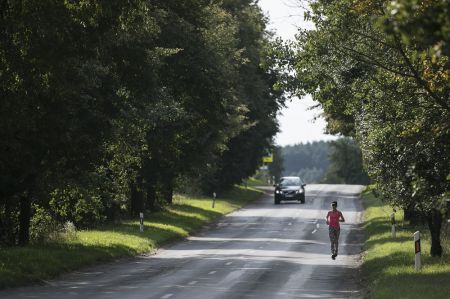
261 251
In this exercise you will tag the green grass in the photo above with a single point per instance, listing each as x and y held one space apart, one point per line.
388 263
22 265
254 182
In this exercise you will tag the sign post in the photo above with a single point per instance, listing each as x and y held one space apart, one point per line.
141 226
417 260
214 199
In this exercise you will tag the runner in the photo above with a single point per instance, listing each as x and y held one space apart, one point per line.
333 218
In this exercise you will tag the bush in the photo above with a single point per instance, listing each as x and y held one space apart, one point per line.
42 226
82 207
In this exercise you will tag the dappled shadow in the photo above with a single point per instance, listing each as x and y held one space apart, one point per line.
170 217
346 205
80 255
234 277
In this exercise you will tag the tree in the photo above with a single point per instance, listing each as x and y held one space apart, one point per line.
276 168
346 165
256 91
56 98
383 84
105 104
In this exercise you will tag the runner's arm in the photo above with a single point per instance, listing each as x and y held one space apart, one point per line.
341 217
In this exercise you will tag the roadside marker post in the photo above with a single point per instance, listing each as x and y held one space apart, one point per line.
417 250
214 199
141 226
393 225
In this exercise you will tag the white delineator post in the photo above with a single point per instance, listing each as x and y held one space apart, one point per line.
141 226
214 199
393 225
417 261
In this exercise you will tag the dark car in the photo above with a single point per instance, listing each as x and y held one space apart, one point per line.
290 188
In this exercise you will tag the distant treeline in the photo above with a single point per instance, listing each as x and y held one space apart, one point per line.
332 162
310 161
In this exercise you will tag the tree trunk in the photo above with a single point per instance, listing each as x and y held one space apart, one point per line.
434 219
134 201
168 190
413 216
24 219
137 198
9 237
150 203
168 194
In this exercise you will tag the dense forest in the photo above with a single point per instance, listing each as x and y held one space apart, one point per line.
109 106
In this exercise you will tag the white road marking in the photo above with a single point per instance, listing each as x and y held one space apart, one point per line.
192 282
289 223
314 231
212 272
229 263
166 296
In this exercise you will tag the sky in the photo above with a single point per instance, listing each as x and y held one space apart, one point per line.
297 122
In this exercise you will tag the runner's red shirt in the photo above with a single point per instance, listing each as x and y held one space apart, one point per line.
333 219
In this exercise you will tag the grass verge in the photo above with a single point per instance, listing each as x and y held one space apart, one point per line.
388 264
254 182
22 265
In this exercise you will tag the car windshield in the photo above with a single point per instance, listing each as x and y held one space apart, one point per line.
290 182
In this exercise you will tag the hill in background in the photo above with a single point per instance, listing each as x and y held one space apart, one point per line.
329 162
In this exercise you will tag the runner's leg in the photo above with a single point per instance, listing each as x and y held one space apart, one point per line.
331 234
338 232
333 240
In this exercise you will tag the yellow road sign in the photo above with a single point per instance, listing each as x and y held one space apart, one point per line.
268 159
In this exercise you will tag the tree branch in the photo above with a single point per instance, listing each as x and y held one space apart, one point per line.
372 38
370 60
417 76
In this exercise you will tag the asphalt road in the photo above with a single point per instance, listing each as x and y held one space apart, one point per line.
261 251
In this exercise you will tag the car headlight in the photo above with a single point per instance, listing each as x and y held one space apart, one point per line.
277 191
300 191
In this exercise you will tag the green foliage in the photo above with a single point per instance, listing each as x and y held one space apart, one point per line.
276 168
346 165
42 226
243 152
76 205
107 104
381 80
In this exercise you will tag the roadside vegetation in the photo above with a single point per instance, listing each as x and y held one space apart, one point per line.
380 71
388 265
108 108
71 249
